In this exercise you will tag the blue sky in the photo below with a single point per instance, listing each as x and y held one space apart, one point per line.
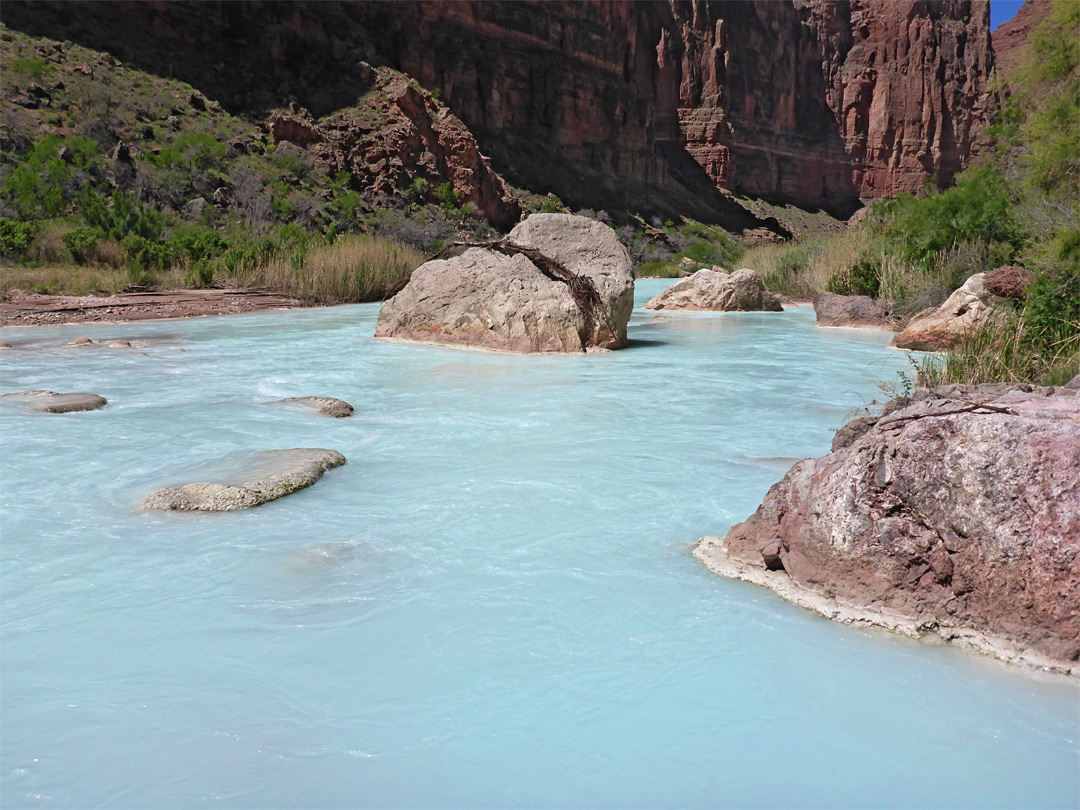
1002 11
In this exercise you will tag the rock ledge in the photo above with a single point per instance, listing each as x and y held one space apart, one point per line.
957 514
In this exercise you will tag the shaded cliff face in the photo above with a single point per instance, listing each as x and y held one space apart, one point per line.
819 102
637 105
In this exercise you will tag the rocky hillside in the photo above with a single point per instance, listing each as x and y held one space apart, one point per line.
661 106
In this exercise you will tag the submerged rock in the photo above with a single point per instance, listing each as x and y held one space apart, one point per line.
327 406
967 309
80 341
557 283
716 290
52 402
281 473
958 514
850 310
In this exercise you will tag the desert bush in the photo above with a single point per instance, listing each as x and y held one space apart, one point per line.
50 176
82 243
978 209
14 237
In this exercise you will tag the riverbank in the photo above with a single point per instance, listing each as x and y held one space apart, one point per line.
33 309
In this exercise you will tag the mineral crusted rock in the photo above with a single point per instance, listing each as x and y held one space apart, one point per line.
957 514
52 402
327 406
558 283
282 472
967 309
716 290
850 310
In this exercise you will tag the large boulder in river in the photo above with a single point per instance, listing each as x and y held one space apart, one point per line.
965 311
850 310
52 402
716 290
269 475
956 514
557 283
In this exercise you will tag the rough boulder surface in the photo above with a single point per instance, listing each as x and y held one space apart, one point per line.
967 309
327 406
958 513
280 473
52 402
557 283
716 290
850 310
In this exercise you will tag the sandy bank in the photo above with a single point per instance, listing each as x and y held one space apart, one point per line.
47 310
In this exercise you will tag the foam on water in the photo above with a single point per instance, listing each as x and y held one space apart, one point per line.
493 604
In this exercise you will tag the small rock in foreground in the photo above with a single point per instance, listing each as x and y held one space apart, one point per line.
850 310
717 291
52 402
284 471
327 406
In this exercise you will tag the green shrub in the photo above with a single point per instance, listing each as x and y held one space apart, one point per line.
33 68
126 216
1052 313
81 243
446 197
861 278
977 209
51 175
14 236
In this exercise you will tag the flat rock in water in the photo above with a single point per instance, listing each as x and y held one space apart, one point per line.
920 521
850 310
274 474
504 299
52 402
327 406
718 291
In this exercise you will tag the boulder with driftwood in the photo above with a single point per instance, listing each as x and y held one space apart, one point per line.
556 283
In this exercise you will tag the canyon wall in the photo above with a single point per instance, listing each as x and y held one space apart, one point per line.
661 105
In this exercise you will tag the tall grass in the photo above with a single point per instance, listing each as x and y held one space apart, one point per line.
1005 350
354 269
804 269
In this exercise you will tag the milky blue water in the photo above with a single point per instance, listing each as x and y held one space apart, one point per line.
494 603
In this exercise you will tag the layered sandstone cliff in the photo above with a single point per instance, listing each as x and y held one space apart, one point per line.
650 105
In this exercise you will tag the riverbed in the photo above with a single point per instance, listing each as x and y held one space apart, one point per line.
493 604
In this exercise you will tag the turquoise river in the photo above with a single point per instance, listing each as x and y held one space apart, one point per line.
492 605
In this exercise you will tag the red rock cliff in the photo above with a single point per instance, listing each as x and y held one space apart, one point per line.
610 103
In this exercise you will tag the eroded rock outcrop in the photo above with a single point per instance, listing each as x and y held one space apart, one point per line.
719 291
275 474
851 310
52 402
557 283
958 514
966 310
